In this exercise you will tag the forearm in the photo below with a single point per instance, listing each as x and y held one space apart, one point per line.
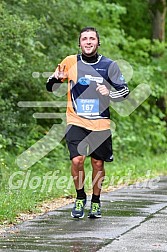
119 95
53 83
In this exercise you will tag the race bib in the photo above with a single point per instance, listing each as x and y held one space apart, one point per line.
87 106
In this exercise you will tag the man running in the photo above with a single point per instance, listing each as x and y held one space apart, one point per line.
93 80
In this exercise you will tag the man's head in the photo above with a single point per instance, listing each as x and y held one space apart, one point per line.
89 41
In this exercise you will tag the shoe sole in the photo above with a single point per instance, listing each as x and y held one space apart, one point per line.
77 217
94 216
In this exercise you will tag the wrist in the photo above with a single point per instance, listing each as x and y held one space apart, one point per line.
110 94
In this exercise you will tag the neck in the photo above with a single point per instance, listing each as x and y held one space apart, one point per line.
91 59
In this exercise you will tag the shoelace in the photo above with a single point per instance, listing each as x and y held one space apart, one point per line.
95 207
79 205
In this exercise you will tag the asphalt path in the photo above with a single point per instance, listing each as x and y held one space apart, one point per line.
134 218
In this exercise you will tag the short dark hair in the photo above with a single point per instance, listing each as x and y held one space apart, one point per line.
89 28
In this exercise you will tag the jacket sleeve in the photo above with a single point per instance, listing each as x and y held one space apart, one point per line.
119 86
52 83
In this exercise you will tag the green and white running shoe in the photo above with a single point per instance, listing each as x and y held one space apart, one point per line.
95 211
78 209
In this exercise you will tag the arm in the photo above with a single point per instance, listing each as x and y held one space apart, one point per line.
116 80
53 83
55 80
119 95
121 89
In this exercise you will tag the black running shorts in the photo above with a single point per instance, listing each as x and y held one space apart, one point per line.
84 142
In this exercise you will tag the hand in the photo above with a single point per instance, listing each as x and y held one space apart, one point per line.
60 73
102 89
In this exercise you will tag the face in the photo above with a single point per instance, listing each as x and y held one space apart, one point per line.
89 43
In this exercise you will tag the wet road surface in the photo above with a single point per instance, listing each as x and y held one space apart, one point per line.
134 218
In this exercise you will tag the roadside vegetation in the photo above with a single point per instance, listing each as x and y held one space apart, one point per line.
36 35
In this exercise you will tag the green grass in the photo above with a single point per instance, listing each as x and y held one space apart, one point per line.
24 190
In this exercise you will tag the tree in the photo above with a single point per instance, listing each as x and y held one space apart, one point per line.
158 10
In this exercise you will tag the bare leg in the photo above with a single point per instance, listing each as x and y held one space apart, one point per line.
77 171
98 174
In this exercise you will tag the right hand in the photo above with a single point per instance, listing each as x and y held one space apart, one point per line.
60 72
102 89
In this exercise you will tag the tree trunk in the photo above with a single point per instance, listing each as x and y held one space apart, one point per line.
158 9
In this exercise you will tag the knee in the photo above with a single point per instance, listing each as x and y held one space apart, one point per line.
78 161
98 164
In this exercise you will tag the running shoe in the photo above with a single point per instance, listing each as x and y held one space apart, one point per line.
95 211
78 209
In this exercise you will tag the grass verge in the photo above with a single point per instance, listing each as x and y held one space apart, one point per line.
22 191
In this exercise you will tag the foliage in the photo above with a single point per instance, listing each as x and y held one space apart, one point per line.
139 17
35 36
24 190
39 34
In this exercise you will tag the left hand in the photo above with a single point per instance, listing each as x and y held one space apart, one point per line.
102 89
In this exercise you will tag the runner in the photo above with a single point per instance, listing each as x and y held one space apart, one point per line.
93 80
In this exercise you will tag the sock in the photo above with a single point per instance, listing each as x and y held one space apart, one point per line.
81 194
95 198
